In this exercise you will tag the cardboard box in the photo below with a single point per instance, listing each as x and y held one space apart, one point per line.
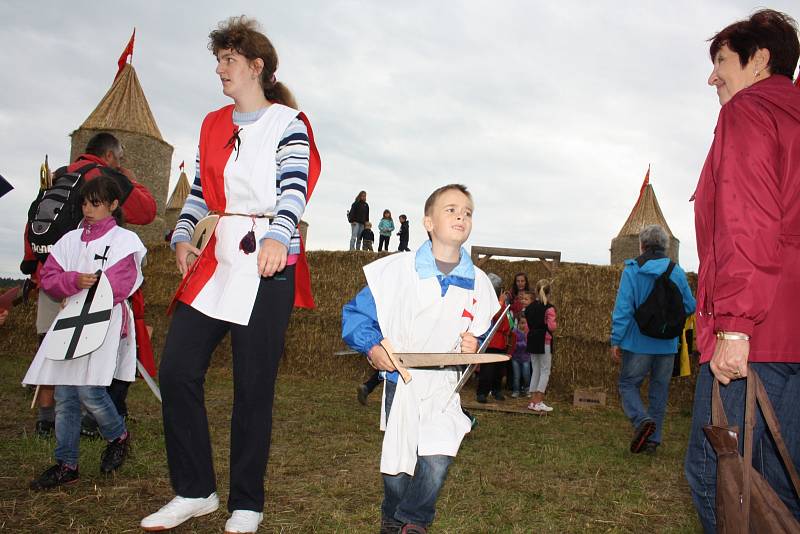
589 397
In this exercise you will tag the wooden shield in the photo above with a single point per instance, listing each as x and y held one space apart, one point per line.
81 325
203 231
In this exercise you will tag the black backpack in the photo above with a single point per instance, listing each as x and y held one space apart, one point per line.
662 315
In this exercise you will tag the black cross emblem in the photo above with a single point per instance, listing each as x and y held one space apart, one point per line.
81 320
104 257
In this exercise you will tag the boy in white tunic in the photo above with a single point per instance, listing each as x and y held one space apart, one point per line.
434 300
99 244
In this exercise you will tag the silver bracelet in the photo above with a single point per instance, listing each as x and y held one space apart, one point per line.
732 337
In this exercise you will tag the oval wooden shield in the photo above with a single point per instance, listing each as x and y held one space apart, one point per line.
203 231
81 325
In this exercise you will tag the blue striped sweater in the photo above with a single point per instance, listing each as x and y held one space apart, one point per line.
291 187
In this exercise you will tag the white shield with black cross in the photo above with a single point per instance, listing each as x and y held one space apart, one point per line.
82 324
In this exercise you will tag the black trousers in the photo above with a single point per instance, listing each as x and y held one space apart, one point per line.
257 349
383 243
491 375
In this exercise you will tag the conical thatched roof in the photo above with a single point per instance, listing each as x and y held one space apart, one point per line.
180 193
646 211
124 108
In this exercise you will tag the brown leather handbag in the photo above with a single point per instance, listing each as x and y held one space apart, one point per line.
745 501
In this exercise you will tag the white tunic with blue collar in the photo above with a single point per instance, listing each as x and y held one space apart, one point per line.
421 310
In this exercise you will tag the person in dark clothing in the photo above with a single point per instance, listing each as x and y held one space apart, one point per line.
367 237
358 217
403 233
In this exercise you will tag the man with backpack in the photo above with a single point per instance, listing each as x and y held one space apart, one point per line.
652 304
56 211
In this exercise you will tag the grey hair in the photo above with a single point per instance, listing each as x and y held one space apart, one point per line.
653 236
497 282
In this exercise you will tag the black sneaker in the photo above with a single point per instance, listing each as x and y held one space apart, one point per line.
498 395
390 526
481 398
644 431
363 392
115 454
57 475
45 429
89 427
650 448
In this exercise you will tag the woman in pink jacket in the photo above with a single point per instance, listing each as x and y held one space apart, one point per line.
747 219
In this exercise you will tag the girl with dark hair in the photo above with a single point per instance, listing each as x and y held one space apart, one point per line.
256 168
100 244
513 295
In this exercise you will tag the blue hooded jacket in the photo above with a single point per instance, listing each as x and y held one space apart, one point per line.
635 286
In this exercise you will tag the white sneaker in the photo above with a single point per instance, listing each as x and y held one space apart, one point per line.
243 521
542 407
179 510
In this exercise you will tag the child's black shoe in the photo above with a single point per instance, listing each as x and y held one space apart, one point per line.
114 455
44 429
57 475
89 427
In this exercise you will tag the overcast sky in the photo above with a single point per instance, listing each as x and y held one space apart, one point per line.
549 111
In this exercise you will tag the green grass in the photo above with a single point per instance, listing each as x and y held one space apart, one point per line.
567 472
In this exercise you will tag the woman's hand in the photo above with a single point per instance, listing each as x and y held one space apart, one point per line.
185 256
271 257
469 343
86 280
729 361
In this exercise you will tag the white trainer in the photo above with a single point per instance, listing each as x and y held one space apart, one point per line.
542 407
179 510
242 521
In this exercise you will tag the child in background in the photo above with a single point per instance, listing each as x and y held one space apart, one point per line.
403 233
367 237
435 300
521 358
99 244
541 316
385 229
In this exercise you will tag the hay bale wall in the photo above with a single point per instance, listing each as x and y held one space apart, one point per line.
583 295
627 246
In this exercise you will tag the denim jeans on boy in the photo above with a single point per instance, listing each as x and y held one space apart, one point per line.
413 499
521 375
68 418
355 235
635 368
782 383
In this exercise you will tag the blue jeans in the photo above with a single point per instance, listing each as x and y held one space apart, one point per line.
782 382
521 372
68 418
413 499
355 235
635 367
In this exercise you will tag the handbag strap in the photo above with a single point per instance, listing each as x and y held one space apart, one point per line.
747 461
774 428
718 417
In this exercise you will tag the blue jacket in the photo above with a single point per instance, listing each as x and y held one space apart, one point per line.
635 286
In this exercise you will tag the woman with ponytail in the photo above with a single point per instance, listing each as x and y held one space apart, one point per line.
256 168
541 316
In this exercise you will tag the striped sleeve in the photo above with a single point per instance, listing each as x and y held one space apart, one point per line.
194 209
291 161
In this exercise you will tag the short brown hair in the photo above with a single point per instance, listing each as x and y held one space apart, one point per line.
244 35
766 28
436 194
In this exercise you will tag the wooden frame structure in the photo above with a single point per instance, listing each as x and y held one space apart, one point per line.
481 254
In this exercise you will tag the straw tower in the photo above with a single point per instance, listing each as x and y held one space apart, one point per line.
176 201
124 112
645 212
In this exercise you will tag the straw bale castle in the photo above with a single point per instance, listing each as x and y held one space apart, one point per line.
176 201
124 112
646 211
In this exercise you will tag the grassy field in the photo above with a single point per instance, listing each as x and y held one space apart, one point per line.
567 472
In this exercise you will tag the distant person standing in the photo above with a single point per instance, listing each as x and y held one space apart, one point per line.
385 229
641 354
367 237
403 233
358 217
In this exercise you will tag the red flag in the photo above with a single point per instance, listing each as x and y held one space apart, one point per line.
181 165
646 182
123 59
